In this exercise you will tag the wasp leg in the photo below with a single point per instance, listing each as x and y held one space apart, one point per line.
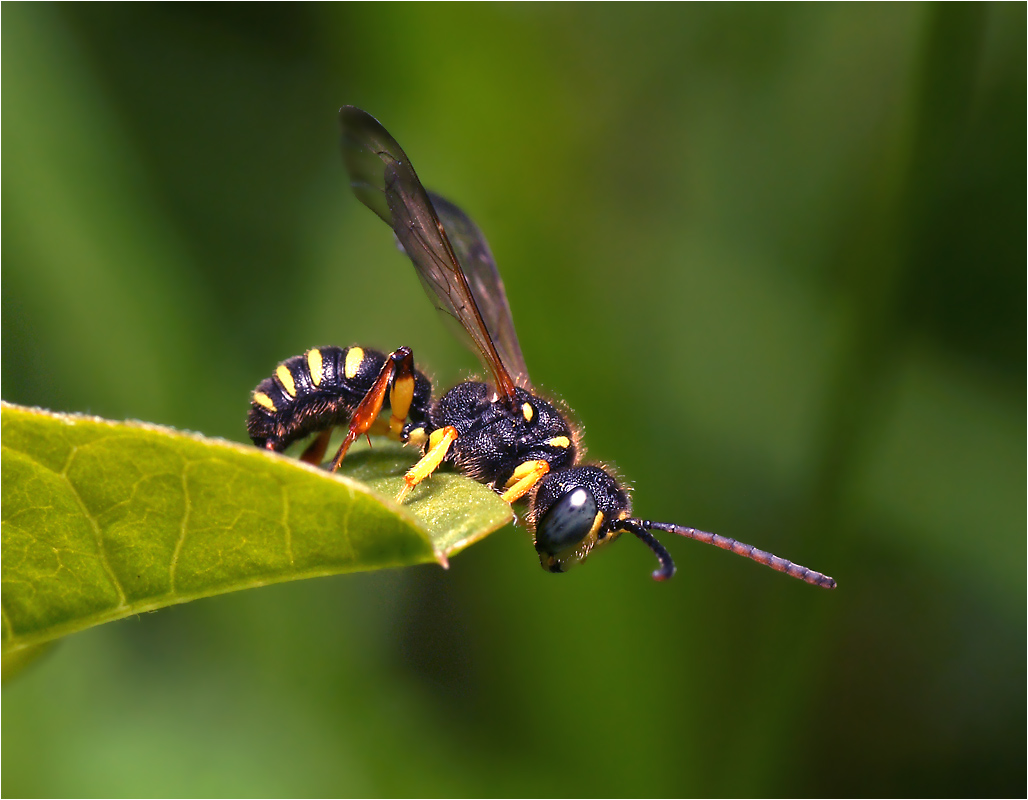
438 446
398 369
401 393
379 428
527 475
316 450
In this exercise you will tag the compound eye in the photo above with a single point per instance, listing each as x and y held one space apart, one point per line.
567 523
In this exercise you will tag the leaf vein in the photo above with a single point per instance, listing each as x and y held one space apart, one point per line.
173 567
7 622
101 545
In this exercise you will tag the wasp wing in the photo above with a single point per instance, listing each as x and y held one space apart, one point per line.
384 180
476 261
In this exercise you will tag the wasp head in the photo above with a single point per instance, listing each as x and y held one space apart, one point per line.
574 512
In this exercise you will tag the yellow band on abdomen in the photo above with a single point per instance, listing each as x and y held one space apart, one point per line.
285 377
262 399
354 359
314 365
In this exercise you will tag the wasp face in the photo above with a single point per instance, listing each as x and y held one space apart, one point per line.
574 511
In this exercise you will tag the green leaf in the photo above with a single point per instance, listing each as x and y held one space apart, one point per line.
103 520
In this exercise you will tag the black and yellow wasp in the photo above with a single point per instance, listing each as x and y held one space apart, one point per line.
500 433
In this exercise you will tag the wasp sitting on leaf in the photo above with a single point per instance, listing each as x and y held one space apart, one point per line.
502 434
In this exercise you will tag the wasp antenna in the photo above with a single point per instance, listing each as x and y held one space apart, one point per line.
746 551
641 529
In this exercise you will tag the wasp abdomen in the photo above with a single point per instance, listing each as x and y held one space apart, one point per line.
317 390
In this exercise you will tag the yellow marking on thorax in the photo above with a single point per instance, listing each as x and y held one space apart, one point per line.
527 412
559 441
262 399
314 364
354 359
285 377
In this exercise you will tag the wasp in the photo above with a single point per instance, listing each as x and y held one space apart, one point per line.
500 432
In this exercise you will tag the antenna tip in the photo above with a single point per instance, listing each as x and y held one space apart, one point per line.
666 572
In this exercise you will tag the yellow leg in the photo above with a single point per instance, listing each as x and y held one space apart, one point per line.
380 427
438 446
400 397
527 475
399 363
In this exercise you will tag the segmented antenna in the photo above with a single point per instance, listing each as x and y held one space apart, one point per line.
642 528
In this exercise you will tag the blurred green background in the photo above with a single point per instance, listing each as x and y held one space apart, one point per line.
773 256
